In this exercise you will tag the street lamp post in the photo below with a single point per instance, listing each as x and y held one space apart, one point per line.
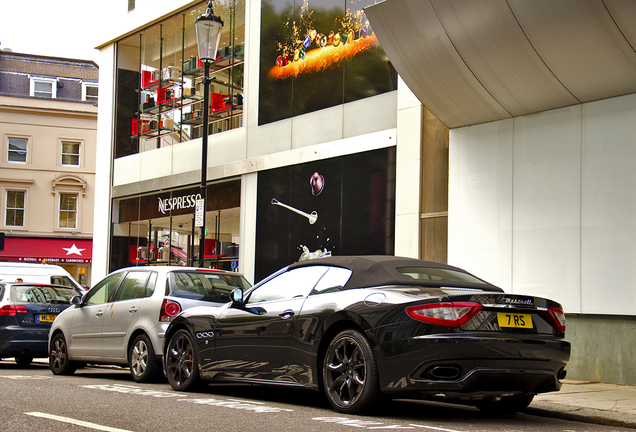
208 28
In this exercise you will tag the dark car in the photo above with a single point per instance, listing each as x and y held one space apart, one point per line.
358 328
26 313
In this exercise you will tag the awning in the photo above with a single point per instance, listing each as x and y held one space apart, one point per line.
51 250
476 61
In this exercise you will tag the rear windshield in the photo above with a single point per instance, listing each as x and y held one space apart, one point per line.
439 274
205 285
42 294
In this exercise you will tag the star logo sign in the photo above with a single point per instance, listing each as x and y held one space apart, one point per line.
74 250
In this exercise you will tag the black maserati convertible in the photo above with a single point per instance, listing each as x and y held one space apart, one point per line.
362 327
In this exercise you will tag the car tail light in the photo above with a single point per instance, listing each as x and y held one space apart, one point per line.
169 310
10 310
447 314
556 317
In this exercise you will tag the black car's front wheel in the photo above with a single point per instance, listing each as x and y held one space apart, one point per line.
144 366
182 369
59 363
350 373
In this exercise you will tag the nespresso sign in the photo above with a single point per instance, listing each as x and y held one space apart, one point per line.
220 196
178 202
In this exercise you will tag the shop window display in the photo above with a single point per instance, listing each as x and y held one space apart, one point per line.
159 81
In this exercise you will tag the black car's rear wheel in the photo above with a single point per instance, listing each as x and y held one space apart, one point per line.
506 404
59 363
182 369
350 374
144 366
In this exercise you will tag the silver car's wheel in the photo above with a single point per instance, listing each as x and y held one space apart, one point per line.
59 362
182 369
350 373
144 366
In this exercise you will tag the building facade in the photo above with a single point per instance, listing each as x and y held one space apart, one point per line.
540 99
48 126
303 151
507 152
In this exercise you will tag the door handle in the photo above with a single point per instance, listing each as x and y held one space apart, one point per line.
286 314
99 314
132 310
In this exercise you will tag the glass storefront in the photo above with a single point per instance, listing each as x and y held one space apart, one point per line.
160 81
159 103
159 228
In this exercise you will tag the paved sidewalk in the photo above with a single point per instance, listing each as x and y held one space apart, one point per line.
598 403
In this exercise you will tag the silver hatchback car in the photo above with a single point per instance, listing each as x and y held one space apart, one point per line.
122 320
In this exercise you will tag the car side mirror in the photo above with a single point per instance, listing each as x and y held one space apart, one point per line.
76 300
237 297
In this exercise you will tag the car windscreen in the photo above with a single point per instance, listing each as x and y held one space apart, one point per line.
205 285
439 274
62 280
42 294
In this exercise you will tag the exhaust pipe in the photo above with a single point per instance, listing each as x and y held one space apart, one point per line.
444 372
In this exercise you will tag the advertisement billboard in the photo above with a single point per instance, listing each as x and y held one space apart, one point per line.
316 54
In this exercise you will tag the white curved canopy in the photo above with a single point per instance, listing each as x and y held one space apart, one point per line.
475 61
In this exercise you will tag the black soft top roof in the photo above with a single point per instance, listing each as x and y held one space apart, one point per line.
379 270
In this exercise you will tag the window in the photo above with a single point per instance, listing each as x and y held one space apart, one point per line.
101 292
89 92
62 280
293 283
334 281
43 87
70 153
14 216
17 150
68 211
206 286
132 286
131 5
438 274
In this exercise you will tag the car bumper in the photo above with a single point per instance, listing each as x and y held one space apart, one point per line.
16 340
460 365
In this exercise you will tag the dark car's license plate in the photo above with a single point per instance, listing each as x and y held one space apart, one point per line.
45 318
514 320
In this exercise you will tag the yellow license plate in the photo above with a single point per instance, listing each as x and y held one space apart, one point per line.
514 320
46 318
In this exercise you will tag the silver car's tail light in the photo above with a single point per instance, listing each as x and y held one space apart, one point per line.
447 314
169 310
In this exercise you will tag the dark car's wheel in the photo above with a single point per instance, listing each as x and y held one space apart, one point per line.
23 360
505 405
59 362
350 373
144 366
182 369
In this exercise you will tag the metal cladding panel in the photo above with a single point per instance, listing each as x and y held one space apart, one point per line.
476 61
488 37
581 44
419 48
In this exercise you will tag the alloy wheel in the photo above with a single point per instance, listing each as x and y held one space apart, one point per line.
59 362
139 358
180 361
346 371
